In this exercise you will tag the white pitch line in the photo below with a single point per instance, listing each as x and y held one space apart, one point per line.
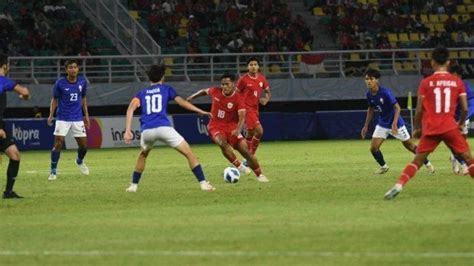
183 253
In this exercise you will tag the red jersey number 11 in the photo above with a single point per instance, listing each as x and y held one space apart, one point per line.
447 100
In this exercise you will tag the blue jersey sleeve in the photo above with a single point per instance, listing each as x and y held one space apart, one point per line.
84 90
56 90
172 93
7 85
391 99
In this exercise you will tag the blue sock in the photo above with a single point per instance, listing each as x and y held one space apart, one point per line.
197 171
81 153
54 160
460 159
136 177
378 157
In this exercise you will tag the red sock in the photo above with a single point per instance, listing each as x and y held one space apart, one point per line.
255 142
470 167
233 160
257 171
408 173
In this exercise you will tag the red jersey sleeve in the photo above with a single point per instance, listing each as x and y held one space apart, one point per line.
240 103
422 88
266 86
462 88
241 85
211 91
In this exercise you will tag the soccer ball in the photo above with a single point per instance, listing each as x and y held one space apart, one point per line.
231 175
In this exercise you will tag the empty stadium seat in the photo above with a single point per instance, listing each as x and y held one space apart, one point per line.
439 27
355 56
453 54
403 37
317 11
464 55
134 14
414 37
461 9
275 69
433 18
392 37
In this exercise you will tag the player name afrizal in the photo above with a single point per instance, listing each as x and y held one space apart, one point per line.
448 83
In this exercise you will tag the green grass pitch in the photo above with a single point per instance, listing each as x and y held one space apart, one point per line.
322 206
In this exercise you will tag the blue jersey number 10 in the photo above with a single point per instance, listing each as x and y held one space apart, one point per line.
153 103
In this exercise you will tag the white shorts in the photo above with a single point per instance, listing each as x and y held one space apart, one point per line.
77 127
381 132
465 129
167 135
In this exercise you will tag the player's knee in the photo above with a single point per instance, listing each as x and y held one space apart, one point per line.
374 149
144 153
58 145
15 155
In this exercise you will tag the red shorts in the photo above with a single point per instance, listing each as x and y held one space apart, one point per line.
453 139
251 119
226 133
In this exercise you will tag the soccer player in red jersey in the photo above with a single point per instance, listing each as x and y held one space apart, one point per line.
251 86
226 123
438 96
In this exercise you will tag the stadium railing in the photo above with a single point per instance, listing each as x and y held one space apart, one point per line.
208 67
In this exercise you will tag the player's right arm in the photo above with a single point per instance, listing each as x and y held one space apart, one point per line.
462 100
199 93
241 122
189 106
368 118
22 91
418 115
52 108
134 104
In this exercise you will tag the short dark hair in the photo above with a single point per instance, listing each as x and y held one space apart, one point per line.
456 69
3 59
70 62
228 76
253 58
156 73
372 73
440 55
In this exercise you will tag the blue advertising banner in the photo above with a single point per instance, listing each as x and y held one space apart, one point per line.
30 134
192 127
277 126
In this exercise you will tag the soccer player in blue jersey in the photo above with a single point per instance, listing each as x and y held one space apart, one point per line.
459 165
153 101
7 145
382 100
69 97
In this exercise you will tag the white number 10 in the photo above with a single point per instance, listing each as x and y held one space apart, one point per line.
447 99
153 103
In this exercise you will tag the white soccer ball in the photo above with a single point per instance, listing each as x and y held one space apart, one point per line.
231 175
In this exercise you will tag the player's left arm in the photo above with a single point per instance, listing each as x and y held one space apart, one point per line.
189 106
396 116
418 115
134 104
464 108
240 124
268 95
85 109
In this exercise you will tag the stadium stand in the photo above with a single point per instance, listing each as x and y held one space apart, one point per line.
223 27
49 28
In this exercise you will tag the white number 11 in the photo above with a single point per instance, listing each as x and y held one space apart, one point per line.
447 99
